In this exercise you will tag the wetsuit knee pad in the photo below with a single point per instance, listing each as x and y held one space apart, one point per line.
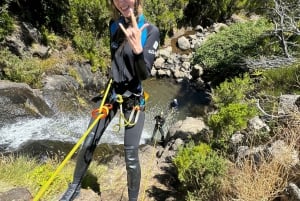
133 171
131 156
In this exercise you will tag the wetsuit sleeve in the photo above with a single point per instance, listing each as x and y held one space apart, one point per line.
145 60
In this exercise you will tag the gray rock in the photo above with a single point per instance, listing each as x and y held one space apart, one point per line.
18 101
16 194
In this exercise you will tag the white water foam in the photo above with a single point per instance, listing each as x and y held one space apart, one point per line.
59 128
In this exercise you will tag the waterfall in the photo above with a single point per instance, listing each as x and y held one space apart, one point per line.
68 128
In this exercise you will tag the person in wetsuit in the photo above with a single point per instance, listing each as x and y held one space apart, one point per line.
174 104
159 122
133 44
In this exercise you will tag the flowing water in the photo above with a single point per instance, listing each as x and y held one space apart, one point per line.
67 129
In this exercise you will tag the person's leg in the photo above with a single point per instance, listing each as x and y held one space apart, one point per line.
131 144
153 134
85 155
162 134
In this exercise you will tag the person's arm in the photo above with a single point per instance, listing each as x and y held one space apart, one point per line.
145 60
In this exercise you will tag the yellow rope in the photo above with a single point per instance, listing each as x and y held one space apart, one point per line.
76 146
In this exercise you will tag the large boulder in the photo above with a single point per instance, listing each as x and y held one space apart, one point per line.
190 126
18 101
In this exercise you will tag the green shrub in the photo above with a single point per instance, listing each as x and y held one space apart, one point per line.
93 49
235 108
89 24
18 70
6 22
274 83
28 70
200 170
164 14
90 15
230 45
228 120
232 91
48 38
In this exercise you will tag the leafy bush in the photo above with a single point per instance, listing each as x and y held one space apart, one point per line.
92 16
200 170
235 109
229 119
27 70
18 70
274 83
49 38
164 14
234 43
89 26
232 91
93 49
6 22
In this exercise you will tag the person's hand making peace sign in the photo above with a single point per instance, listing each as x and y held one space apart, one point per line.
133 34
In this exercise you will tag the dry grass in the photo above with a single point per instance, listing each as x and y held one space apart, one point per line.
265 180
261 183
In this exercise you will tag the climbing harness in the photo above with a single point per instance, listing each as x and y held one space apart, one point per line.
137 107
99 115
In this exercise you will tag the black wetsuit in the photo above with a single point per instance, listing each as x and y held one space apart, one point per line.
127 72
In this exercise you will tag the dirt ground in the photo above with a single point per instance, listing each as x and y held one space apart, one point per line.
158 181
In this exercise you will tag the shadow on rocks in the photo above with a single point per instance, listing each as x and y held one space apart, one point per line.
170 181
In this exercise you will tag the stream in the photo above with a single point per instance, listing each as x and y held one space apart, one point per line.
63 131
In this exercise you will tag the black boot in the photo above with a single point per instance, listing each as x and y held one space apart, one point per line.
71 193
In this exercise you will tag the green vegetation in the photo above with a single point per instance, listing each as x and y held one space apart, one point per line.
27 70
200 170
208 11
229 119
201 167
19 70
89 27
274 83
235 109
93 49
29 173
23 171
235 43
234 90
92 16
165 14
6 22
